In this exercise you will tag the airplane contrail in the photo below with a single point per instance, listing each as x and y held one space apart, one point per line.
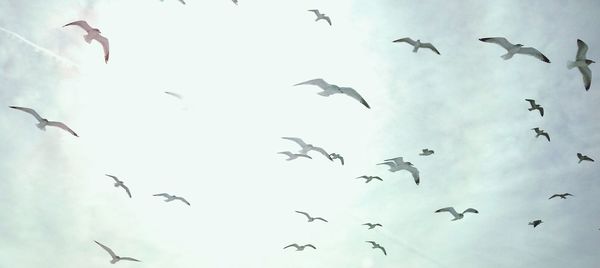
39 48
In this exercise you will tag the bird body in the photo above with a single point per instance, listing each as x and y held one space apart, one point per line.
93 34
331 89
513 49
562 196
397 164
300 248
170 198
43 122
457 216
311 219
417 44
375 245
582 64
540 132
584 158
535 223
321 16
115 257
535 106
369 178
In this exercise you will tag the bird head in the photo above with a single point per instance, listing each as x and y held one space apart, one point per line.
519 45
589 62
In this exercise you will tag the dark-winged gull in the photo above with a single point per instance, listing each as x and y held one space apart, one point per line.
311 219
375 245
320 16
330 89
300 248
515 49
170 198
43 122
369 178
337 156
562 196
541 132
584 158
457 216
582 64
115 257
397 164
417 44
426 152
535 106
372 225
119 183
536 223
92 34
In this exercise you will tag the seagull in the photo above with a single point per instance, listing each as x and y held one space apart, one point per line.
417 44
300 248
170 198
536 223
330 89
369 178
176 95
375 245
582 64
337 156
535 106
397 164
114 256
320 16
371 225
120 183
584 158
43 122
562 196
457 216
308 147
292 156
311 219
515 49
92 34
540 132
426 152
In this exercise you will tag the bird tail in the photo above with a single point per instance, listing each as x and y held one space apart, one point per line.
570 65
41 126
415 49
579 161
87 38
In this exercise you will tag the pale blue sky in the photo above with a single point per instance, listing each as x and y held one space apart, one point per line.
235 67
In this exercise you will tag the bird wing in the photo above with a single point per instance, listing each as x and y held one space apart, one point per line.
390 164
377 178
316 11
311 246
588 158
546 135
397 160
292 245
173 94
586 73
541 109
303 155
299 141
531 102
377 224
342 160
372 243
29 111
328 20
415 173
553 196
316 82
582 49
63 126
533 52
498 41
182 2
113 177
319 218
568 194
472 210
406 40
288 153
163 195
430 46
448 209
382 249
183 200
81 23
322 151
104 42
126 190
112 253
352 93
304 213
363 177
129 259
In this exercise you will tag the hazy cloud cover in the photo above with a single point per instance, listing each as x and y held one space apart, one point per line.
235 67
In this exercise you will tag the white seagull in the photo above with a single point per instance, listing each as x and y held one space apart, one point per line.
300 248
584 158
320 16
170 198
92 34
426 152
375 245
417 44
582 64
114 256
535 106
308 147
562 196
337 156
292 156
514 49
372 225
369 178
397 164
311 219
541 132
330 89
536 223
119 183
457 216
43 122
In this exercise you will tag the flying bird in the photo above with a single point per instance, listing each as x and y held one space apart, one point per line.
375 245
292 156
398 163
300 248
535 106
119 183
371 225
515 49
417 44
330 89
582 64
426 152
92 34
540 132
176 95
308 147
337 156
536 223
311 219
320 16
457 216
369 178
562 196
584 158
115 257
170 198
43 122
